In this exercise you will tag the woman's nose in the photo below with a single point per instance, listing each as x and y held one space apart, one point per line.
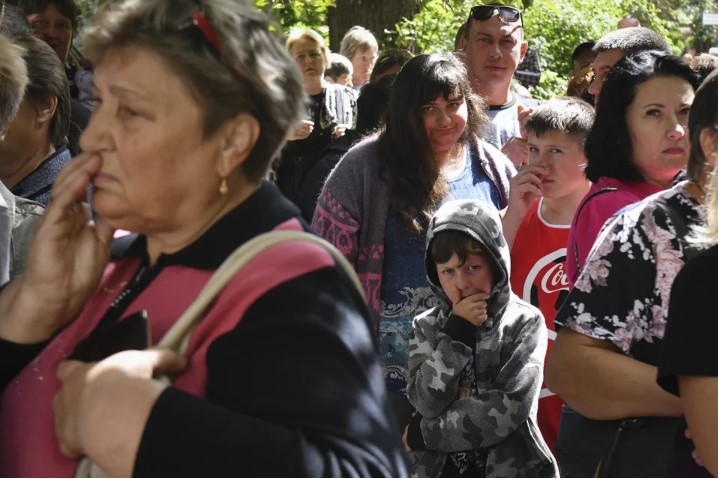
677 131
94 136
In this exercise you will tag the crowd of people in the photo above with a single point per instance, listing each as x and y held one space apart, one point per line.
226 253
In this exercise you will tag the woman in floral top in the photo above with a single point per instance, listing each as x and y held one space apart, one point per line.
688 367
603 361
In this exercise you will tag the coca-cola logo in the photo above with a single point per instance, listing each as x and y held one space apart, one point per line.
554 279
546 285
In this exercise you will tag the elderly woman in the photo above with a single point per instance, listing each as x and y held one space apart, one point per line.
34 150
634 150
687 366
603 362
332 109
377 203
17 215
361 48
280 377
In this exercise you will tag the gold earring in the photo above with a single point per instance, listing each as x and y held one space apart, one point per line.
223 189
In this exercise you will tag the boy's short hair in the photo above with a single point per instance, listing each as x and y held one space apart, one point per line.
581 49
448 242
569 115
388 60
631 40
338 65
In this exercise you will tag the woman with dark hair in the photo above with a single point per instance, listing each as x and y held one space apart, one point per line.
18 216
636 146
377 203
603 362
687 367
34 150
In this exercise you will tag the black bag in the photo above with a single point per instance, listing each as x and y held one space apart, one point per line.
636 447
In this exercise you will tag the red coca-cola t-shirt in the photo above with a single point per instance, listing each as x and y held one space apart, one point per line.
538 258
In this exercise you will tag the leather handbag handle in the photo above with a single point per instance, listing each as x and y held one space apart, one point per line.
177 338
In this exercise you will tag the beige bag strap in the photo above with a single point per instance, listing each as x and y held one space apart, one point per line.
177 338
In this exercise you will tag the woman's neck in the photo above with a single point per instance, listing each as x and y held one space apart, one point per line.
29 164
193 227
314 86
451 162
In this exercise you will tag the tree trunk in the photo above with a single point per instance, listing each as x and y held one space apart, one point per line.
379 16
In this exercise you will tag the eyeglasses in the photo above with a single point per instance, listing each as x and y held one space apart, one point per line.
506 14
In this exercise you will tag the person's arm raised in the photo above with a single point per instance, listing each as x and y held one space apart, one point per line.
524 188
65 261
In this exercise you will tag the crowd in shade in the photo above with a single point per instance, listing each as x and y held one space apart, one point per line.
229 251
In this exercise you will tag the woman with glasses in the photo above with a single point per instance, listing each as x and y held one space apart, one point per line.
617 421
331 111
280 377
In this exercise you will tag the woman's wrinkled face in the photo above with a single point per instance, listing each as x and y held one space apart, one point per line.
657 122
157 169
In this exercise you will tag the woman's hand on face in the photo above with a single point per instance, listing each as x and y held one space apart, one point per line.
302 131
525 187
472 308
65 261
101 408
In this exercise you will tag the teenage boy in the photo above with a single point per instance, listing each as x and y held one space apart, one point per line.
476 359
543 199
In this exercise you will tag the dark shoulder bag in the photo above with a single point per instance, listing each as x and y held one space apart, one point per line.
648 437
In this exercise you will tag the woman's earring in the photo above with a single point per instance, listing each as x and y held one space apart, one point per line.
223 189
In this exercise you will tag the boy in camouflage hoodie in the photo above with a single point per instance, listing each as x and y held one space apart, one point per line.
476 360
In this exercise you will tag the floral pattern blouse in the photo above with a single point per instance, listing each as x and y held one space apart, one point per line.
623 291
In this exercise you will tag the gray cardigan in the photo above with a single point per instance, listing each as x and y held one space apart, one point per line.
353 206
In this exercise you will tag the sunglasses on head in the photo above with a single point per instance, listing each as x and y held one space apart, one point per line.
507 14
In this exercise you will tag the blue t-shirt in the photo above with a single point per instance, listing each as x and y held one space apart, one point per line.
405 291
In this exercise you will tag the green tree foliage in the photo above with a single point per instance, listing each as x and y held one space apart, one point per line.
298 13
433 29
554 27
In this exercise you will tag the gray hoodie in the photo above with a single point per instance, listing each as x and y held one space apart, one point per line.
501 361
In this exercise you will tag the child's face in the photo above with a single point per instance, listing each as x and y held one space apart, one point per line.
461 280
563 156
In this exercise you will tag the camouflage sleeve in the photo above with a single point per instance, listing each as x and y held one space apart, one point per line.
435 365
507 394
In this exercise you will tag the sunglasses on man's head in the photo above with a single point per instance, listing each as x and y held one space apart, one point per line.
507 14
